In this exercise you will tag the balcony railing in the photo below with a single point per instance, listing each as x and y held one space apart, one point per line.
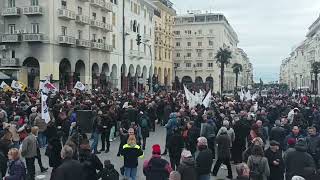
107 27
33 10
11 38
97 45
33 37
83 43
97 24
97 3
107 6
13 11
108 48
66 14
81 19
84 0
67 40
9 62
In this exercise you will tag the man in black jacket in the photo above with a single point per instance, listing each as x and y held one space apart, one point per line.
69 169
278 134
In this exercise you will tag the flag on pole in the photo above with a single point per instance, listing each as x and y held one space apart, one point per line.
79 86
47 87
5 87
206 101
16 85
44 108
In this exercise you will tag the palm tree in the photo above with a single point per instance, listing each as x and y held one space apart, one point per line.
237 68
222 59
315 69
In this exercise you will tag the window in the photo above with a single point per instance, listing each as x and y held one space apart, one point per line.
79 10
144 48
94 38
145 13
210 64
210 43
177 44
34 2
79 34
176 64
35 28
200 31
11 3
113 41
176 32
131 44
189 44
189 54
144 29
165 54
199 54
210 54
199 44
104 40
188 64
12 28
199 64
94 15
135 8
103 19
113 18
63 30
13 54
188 31
178 55
64 4
131 6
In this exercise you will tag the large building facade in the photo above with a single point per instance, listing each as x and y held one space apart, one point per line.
295 71
197 39
164 17
76 40
65 40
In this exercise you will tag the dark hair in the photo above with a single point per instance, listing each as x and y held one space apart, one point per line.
28 129
257 150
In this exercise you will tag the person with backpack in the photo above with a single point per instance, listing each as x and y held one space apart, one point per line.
90 162
258 164
145 127
17 169
108 173
170 126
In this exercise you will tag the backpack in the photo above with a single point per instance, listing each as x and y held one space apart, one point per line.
256 171
144 122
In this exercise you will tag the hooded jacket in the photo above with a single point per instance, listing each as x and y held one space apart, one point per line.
187 169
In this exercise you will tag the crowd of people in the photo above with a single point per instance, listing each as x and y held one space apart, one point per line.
269 138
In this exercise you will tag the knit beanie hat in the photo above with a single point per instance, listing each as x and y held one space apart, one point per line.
291 141
156 149
297 178
202 141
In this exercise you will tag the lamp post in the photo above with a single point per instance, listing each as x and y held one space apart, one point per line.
300 82
175 77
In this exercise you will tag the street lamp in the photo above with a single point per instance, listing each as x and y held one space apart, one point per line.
175 76
300 82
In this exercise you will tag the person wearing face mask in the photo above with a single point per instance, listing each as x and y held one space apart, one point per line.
274 156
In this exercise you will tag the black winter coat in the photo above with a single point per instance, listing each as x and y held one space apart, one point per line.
175 146
91 163
69 169
53 152
187 169
278 134
204 162
276 171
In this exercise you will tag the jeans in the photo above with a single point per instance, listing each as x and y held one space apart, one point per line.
94 146
130 173
42 140
113 129
105 138
31 170
204 177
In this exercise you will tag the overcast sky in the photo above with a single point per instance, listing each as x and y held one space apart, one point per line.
267 29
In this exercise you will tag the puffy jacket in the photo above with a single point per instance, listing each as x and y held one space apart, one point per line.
131 155
156 168
204 161
187 169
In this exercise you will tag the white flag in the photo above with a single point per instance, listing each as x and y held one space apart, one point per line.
3 85
248 96
16 85
44 108
79 86
47 87
206 101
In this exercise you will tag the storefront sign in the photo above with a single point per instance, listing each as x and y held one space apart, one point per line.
9 62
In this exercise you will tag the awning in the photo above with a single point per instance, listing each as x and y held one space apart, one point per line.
4 76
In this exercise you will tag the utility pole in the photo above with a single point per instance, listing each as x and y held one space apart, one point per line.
123 74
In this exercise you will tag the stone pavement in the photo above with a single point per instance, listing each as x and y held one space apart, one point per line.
155 138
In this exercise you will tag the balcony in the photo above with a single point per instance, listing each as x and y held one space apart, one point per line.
97 24
33 10
33 37
107 7
81 19
188 47
66 14
83 43
68 40
97 46
84 0
210 47
11 38
107 27
10 62
97 3
13 11
108 48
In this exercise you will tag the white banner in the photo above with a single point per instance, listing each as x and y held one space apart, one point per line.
47 87
16 85
79 86
44 108
206 101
